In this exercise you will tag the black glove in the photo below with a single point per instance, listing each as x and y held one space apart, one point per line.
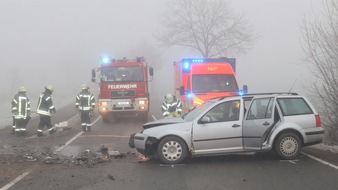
171 109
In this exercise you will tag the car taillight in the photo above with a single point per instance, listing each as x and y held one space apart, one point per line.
318 123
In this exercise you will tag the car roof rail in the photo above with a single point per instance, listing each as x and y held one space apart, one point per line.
271 93
254 94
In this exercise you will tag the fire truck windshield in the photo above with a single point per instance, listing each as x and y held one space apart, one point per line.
122 74
214 83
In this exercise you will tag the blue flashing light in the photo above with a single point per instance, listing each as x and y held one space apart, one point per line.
105 59
197 60
186 65
189 95
241 93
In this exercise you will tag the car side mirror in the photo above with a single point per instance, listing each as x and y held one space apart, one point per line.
93 75
181 90
205 119
151 71
245 89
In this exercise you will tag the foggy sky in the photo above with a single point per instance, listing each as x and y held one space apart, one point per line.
58 42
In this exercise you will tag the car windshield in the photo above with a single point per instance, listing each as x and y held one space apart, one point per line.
214 83
121 73
197 111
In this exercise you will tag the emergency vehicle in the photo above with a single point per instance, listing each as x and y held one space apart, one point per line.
198 80
123 87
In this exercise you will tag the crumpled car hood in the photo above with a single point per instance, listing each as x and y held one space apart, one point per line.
164 121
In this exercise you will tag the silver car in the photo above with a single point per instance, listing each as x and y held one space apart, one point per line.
283 122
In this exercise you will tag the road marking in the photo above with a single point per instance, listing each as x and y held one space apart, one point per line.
15 180
67 143
290 161
118 136
28 172
321 161
71 140
171 165
153 117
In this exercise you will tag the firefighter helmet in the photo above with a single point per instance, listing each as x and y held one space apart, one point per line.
22 89
169 98
50 88
84 87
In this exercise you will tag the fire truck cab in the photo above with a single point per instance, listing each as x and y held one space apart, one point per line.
198 80
123 86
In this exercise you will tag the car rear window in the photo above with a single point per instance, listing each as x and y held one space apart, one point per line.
294 106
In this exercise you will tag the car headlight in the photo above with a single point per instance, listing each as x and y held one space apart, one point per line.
142 102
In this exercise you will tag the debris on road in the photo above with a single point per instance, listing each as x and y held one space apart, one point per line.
63 126
111 177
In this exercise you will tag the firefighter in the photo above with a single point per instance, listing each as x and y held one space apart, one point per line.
21 111
85 102
171 106
45 110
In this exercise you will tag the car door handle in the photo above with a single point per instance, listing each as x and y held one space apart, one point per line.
235 125
266 123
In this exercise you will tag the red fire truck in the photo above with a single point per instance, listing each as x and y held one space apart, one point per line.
123 87
198 80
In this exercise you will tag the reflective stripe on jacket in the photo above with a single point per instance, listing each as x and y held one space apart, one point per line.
85 101
21 106
45 104
167 108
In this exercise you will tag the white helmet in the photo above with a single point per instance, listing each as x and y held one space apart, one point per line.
50 88
84 86
22 89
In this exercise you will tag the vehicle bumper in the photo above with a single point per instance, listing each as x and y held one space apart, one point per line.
143 143
314 136
138 105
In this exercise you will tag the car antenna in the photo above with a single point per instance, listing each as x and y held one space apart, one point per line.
292 86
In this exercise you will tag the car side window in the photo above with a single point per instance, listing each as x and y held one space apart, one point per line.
261 108
227 111
294 106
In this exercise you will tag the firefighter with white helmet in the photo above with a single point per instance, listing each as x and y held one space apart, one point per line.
85 102
21 111
45 110
171 106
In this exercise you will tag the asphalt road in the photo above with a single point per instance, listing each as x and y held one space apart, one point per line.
132 171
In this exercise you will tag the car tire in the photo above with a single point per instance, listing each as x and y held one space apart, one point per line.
288 146
172 150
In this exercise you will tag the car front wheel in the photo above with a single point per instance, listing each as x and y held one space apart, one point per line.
288 146
172 150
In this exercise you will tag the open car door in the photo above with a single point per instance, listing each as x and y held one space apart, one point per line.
258 122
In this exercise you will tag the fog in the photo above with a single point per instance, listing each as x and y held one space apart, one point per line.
58 42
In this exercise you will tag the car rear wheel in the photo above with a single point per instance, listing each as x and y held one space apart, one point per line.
172 150
288 146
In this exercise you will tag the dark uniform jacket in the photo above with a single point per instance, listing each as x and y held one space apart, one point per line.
175 106
85 101
45 104
21 106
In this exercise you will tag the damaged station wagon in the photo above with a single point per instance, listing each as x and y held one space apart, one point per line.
280 122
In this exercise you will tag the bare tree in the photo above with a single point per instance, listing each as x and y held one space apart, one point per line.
320 44
206 26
